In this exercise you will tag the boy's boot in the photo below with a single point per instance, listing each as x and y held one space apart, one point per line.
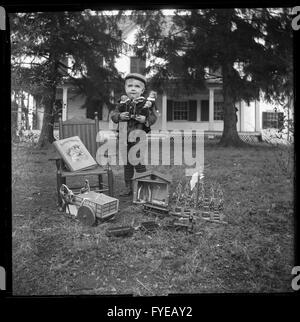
128 189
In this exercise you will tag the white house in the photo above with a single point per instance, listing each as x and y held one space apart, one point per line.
202 110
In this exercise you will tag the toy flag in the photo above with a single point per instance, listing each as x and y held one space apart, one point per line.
194 179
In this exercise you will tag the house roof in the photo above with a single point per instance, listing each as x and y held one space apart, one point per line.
163 176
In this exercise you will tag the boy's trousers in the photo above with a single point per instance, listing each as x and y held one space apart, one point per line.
129 168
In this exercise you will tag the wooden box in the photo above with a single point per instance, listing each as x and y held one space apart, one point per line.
151 187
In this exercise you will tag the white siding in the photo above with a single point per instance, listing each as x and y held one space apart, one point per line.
158 124
249 117
122 63
268 107
246 113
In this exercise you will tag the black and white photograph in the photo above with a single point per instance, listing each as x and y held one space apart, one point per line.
187 118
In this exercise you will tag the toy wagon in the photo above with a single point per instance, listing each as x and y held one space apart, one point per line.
92 206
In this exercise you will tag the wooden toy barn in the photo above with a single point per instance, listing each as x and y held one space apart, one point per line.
151 187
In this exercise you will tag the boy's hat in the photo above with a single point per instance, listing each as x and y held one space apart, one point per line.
136 76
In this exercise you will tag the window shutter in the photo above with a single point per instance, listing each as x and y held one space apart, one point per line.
142 66
63 69
133 65
204 110
169 110
192 110
264 120
137 65
280 120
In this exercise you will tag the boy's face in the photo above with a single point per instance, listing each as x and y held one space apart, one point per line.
134 88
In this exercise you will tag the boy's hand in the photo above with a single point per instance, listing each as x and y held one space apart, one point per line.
141 118
124 116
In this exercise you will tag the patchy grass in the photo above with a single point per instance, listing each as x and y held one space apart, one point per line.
55 254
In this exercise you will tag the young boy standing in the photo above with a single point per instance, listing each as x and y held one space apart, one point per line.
138 112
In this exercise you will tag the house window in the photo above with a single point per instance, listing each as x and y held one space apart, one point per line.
182 110
272 120
63 66
218 111
137 65
215 72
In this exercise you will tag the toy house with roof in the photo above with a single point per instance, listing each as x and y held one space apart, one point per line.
151 187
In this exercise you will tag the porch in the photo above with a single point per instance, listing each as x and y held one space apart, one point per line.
200 111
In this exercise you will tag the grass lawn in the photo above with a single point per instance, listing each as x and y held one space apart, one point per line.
53 254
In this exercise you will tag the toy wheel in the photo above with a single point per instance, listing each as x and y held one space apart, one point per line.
86 215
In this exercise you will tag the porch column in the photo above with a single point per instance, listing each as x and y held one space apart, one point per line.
112 101
164 112
65 103
110 122
211 109
19 117
30 111
242 116
257 116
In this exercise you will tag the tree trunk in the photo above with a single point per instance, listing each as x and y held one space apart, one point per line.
230 135
46 135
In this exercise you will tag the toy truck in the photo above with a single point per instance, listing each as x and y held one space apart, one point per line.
93 206
89 206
